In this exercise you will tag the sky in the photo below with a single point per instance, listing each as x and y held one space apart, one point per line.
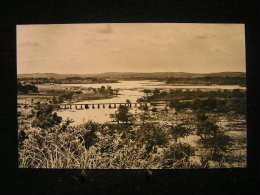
130 47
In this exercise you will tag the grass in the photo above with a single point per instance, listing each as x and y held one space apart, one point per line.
110 146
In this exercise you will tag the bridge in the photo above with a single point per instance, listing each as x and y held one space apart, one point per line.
89 106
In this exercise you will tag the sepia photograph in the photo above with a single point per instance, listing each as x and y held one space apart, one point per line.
131 96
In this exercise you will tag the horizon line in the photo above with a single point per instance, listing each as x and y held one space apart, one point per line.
136 72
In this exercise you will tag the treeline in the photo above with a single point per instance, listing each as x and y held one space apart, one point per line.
60 96
26 88
187 94
208 101
237 105
68 80
209 80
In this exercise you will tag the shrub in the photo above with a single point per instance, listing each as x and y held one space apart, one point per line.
178 152
179 131
91 125
44 116
154 109
122 114
151 135
90 139
214 140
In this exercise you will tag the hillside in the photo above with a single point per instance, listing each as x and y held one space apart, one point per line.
134 75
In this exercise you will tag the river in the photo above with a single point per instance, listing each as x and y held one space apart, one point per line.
131 90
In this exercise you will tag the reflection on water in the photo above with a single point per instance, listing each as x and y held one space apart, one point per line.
131 90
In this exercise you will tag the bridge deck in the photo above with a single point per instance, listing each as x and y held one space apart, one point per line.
93 105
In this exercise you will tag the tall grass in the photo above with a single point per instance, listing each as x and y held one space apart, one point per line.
108 146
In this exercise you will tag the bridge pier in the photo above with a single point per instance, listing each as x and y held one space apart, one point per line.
93 105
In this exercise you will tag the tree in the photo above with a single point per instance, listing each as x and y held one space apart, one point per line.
44 117
122 114
26 88
151 135
55 100
102 89
212 139
110 90
90 137
147 92
179 152
176 104
156 92
179 131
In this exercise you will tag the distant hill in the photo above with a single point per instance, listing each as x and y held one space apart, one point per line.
134 75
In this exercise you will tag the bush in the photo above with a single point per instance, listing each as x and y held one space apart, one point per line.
44 117
178 152
151 135
154 109
179 131
177 105
218 142
123 115
26 88
214 140
90 139
91 125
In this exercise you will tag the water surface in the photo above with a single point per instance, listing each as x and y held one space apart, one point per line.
131 90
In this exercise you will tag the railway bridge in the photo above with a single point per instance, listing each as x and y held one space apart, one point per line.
78 106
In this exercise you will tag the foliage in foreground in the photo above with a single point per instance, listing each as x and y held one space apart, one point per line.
96 145
122 145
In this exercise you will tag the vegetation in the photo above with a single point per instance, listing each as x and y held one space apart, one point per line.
178 156
207 101
44 117
27 88
122 114
122 145
209 80
213 139
152 137
179 131
66 80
